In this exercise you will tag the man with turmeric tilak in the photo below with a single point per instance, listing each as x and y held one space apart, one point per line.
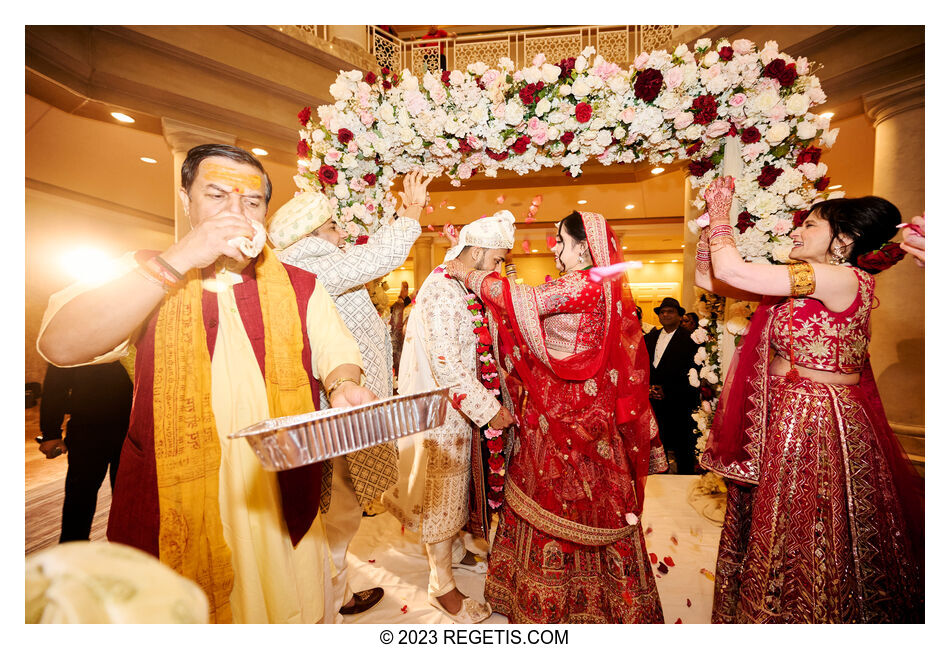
222 334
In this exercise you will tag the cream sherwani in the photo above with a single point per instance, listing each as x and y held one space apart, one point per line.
273 580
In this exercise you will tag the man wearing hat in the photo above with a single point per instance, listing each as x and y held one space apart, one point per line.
432 495
306 236
672 353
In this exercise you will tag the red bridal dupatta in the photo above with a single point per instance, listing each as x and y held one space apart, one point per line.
586 426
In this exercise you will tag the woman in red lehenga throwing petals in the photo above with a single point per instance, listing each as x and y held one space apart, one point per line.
824 521
569 546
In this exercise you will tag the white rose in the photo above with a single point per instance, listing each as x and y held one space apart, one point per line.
764 101
302 183
479 114
699 336
703 322
550 73
703 44
794 200
693 377
693 132
700 356
781 252
681 50
828 138
505 63
341 191
797 104
604 138
564 90
711 58
806 130
514 112
777 133
531 75
478 68
542 107
737 326
580 88
580 64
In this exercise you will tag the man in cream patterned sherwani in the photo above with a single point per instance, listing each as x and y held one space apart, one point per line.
306 236
440 351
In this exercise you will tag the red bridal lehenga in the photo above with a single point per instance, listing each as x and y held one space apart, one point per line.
569 547
824 520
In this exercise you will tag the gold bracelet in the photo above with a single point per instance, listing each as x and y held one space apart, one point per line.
801 278
338 383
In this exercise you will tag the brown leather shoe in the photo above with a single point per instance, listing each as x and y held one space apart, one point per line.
363 601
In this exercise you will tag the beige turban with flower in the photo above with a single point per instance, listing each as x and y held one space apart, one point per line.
495 231
297 218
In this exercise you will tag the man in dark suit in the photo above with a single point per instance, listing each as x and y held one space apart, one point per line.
672 353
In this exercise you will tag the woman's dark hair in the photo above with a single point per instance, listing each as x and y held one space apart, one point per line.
189 168
870 221
573 224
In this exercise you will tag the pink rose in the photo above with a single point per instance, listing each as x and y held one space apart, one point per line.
534 123
737 99
628 114
777 113
465 171
801 65
751 151
489 77
674 77
538 59
333 156
366 117
718 128
498 110
352 147
782 226
683 120
641 60
742 46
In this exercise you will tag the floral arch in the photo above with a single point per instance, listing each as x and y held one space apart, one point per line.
730 108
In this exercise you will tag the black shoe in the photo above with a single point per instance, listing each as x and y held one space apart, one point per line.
363 601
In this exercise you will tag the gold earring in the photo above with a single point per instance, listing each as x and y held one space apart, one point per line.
837 255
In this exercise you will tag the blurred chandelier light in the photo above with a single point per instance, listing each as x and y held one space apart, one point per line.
87 264
122 117
150 161
657 170
259 151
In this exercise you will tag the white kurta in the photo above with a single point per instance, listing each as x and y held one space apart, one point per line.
273 581
431 497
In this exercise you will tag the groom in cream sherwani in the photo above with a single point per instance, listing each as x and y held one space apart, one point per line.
431 497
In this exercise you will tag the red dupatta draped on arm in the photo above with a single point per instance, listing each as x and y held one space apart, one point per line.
592 406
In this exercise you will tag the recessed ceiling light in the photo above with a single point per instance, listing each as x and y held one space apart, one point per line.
582 202
829 115
150 161
451 207
834 187
675 260
657 170
534 250
682 245
628 207
624 247
122 117
652 261
258 151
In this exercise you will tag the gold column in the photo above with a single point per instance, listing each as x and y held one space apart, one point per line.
422 262
897 344
181 137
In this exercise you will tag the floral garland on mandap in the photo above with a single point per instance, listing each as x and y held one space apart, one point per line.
709 307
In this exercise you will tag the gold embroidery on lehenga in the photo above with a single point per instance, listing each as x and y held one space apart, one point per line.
590 387
603 449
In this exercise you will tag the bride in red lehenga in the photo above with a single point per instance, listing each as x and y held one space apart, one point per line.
824 517
569 547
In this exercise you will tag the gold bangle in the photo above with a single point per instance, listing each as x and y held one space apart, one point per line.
801 278
338 383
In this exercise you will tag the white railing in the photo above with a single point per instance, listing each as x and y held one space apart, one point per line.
617 43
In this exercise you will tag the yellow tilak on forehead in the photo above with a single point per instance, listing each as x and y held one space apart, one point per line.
237 180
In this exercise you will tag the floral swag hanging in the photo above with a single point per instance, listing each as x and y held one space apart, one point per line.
684 105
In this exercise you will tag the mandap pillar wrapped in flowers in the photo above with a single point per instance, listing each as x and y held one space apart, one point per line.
727 107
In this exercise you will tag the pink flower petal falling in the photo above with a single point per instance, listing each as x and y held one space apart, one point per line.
600 273
500 199
526 246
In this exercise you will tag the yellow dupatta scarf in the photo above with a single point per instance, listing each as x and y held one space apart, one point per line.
187 443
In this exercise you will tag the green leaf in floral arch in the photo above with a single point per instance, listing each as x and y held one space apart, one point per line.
780 151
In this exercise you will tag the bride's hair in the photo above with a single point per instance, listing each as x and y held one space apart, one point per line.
870 221
573 224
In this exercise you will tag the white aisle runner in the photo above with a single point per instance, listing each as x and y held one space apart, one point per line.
382 555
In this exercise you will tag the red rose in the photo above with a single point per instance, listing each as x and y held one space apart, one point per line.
370 78
812 154
705 391
567 138
745 222
345 136
725 53
386 85
648 84
496 156
395 79
567 66
445 76
303 149
473 307
484 337
822 183
529 94
769 175
490 367
495 445
787 76
582 112
694 148
385 71
304 115
360 240
495 480
370 179
774 69
882 259
732 129
464 146
799 217
750 135
327 175
521 144
700 167
496 462
706 108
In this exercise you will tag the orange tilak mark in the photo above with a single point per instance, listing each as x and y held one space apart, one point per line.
234 178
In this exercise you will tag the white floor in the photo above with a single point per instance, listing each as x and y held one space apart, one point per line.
382 555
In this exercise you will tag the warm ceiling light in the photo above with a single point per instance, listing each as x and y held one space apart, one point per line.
624 247
652 261
122 117
582 202
682 245
150 161
628 207
259 151
534 250
829 115
834 187
451 207
87 264
675 260
657 170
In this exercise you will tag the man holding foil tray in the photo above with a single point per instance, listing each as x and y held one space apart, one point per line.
306 235
223 340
